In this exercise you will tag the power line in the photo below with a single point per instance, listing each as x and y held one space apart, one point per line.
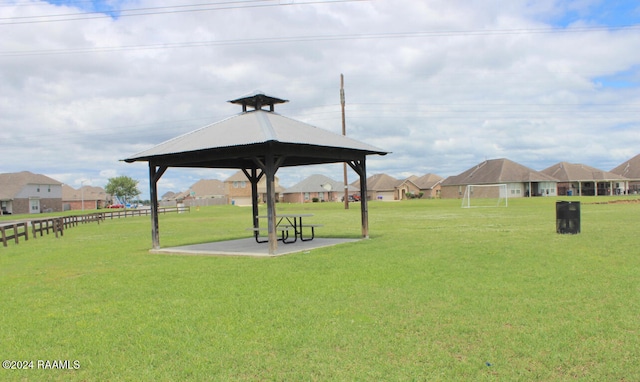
132 10
315 38
227 5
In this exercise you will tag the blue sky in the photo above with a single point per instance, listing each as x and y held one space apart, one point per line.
611 13
442 84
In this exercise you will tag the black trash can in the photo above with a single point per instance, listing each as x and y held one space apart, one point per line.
568 217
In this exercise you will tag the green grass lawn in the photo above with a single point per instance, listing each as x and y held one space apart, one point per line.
438 293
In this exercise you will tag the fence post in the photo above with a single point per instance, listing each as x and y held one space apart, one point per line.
15 233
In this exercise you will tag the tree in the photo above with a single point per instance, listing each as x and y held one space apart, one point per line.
123 187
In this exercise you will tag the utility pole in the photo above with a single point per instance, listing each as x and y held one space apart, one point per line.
82 192
344 132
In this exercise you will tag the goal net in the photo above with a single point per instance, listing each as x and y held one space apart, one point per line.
485 195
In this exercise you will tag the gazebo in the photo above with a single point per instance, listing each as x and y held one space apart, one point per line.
258 142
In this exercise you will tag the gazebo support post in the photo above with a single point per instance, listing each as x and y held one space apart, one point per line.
269 168
154 176
254 178
360 167
271 202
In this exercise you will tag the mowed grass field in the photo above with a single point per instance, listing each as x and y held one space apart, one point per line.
438 293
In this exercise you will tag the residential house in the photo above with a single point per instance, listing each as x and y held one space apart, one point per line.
25 192
205 192
84 198
168 199
382 187
406 189
582 180
520 180
317 187
429 185
631 171
238 189
172 199
169 195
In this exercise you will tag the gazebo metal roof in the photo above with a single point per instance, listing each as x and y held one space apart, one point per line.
258 142
234 142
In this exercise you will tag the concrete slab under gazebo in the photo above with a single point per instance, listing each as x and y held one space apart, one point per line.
249 247
258 142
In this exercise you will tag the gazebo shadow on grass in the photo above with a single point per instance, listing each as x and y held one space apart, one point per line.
249 247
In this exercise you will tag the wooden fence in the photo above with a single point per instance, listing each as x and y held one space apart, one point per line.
143 212
12 232
57 225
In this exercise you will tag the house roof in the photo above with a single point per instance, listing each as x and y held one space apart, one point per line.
380 182
496 171
629 169
207 187
317 183
12 183
84 192
181 195
236 141
169 195
240 176
568 172
427 181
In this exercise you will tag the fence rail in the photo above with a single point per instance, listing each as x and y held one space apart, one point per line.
12 232
142 212
57 225
42 226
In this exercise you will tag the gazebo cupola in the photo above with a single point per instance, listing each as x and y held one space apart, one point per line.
257 100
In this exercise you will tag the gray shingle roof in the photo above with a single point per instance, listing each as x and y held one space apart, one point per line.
315 183
427 181
12 183
240 176
84 192
496 171
568 172
380 182
207 187
629 169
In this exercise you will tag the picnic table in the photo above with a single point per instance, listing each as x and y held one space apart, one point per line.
286 223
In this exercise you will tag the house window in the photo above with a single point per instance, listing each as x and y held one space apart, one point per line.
306 196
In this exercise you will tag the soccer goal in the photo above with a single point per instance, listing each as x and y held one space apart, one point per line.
485 195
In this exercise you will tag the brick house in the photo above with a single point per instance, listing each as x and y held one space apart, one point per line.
582 180
84 198
238 189
382 187
25 192
429 185
630 169
521 181
319 187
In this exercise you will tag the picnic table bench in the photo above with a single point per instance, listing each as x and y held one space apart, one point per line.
286 223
